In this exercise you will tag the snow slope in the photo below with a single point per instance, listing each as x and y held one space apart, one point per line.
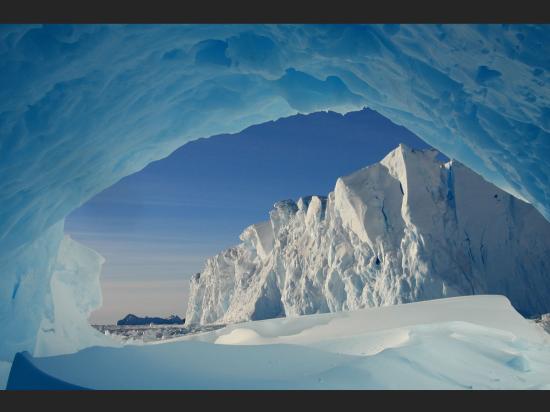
406 229
475 342
83 106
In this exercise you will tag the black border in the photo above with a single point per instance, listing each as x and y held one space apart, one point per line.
280 401
276 11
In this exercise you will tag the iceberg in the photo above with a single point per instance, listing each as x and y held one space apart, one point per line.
83 106
406 229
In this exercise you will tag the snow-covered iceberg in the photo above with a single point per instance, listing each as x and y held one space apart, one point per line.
474 342
406 229
83 106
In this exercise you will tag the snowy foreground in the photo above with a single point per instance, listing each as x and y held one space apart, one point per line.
474 342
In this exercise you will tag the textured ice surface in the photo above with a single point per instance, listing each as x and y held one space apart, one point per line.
69 295
406 229
82 106
75 293
476 342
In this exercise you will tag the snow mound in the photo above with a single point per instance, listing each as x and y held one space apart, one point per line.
475 342
238 336
406 229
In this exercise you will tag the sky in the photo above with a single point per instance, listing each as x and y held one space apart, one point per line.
157 227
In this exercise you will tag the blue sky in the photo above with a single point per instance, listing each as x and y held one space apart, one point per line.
156 227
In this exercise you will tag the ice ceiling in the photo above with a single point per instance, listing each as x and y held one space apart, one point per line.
83 106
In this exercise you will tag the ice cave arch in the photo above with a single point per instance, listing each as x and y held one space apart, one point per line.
83 106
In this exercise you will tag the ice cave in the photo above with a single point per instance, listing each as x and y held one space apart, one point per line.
83 106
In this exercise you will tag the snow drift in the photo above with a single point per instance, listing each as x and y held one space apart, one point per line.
406 229
475 342
83 106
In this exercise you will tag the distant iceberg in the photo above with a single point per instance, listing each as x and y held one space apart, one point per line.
132 320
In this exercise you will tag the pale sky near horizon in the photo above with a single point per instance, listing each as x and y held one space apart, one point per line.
157 227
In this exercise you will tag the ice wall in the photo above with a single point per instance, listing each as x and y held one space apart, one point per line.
83 106
75 293
406 229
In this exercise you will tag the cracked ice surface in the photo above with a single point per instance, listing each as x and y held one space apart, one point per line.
83 106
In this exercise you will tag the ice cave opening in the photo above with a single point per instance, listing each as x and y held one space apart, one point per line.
83 106
156 228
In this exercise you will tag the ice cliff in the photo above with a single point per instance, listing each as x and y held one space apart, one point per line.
406 229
